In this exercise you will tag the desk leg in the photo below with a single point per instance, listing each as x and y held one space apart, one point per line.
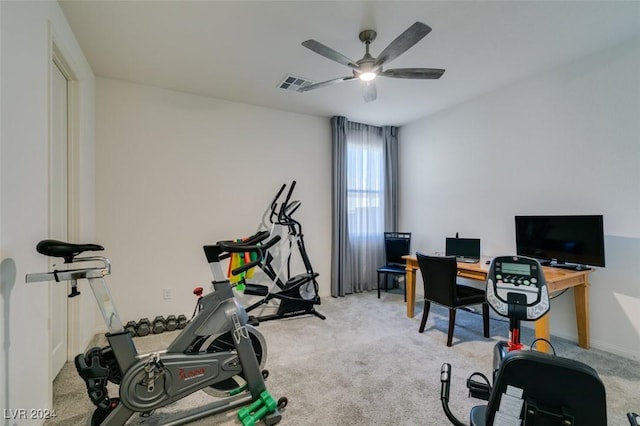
410 279
581 295
543 331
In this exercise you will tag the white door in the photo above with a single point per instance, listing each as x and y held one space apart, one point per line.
58 215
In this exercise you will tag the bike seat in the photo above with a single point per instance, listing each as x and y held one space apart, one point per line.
55 248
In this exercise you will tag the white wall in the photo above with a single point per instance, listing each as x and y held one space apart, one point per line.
27 29
176 171
564 142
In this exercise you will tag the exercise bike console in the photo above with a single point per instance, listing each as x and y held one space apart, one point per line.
516 288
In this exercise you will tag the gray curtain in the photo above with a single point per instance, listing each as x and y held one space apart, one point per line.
341 274
354 262
390 140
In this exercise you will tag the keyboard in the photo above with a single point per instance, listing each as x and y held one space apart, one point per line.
467 260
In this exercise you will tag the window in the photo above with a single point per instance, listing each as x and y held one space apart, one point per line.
365 186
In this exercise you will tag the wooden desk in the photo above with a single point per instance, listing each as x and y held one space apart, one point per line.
557 279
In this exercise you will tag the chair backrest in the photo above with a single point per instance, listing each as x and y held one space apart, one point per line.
556 390
396 245
439 275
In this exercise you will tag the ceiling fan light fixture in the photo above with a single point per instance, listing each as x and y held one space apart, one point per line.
368 68
367 76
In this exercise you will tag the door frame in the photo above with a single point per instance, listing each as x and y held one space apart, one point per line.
59 57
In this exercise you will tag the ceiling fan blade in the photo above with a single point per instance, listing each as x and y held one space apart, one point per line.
324 83
328 52
369 91
402 43
417 73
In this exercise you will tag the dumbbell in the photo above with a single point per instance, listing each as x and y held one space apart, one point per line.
158 325
171 323
144 327
132 328
182 321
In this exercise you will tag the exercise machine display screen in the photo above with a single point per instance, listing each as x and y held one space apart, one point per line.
516 268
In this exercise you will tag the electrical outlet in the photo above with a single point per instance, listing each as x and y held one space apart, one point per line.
166 293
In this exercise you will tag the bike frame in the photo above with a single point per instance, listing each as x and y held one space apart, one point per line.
219 313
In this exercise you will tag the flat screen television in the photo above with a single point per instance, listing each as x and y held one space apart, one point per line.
558 240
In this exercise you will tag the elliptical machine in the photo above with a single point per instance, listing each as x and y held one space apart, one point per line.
529 387
295 295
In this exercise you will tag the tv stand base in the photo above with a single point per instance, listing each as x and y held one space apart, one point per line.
569 267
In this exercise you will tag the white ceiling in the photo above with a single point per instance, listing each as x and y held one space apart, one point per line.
241 50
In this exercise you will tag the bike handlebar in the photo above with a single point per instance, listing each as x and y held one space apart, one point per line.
256 238
243 247
445 380
246 267
216 252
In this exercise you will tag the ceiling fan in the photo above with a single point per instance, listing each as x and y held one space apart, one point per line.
368 68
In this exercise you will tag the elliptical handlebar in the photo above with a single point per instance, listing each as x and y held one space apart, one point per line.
284 214
286 200
290 209
274 203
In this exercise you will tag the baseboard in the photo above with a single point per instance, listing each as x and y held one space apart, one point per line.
601 346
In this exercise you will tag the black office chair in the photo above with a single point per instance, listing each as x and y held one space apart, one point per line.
396 245
439 274
555 391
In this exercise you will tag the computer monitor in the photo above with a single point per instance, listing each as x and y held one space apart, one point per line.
468 248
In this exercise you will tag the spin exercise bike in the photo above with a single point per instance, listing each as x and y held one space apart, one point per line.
529 387
217 351
295 295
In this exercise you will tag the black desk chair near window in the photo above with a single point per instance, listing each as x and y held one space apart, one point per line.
396 245
439 274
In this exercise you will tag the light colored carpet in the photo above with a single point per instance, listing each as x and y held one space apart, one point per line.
368 365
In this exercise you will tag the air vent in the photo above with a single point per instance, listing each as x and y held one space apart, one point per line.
292 82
